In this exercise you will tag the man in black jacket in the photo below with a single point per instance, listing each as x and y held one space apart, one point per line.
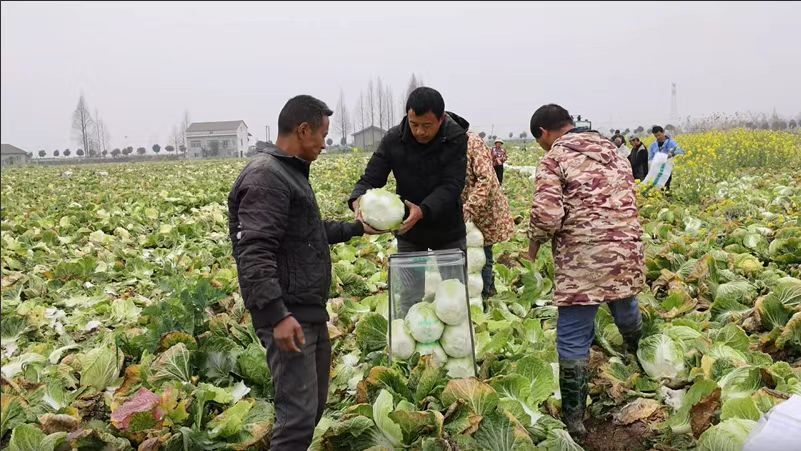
427 154
638 158
280 244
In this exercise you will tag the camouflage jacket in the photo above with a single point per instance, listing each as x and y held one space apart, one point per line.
584 202
483 199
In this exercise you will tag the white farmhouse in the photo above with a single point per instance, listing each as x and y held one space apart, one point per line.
227 139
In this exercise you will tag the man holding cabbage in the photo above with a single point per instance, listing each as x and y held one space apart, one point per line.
280 244
584 204
426 153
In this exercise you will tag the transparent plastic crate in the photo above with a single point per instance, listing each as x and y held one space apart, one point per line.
416 278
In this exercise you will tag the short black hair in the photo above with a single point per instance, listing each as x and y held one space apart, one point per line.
657 129
549 117
617 132
300 109
424 99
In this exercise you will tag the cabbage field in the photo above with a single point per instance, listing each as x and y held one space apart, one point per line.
123 328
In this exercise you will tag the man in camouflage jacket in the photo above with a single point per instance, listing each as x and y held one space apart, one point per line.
483 202
584 203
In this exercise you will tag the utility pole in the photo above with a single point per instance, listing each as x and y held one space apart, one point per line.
674 105
268 132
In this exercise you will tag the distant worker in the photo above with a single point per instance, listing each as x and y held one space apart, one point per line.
499 157
617 134
663 144
620 144
638 157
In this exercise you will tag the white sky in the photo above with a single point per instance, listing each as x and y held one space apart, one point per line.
142 64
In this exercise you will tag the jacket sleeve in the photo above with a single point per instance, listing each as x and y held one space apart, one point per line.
676 149
652 150
480 161
547 211
375 174
449 190
263 216
340 232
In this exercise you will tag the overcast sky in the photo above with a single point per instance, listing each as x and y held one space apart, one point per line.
141 65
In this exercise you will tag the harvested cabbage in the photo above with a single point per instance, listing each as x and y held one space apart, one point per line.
474 236
450 302
423 323
456 340
460 368
381 209
433 349
475 260
402 342
475 284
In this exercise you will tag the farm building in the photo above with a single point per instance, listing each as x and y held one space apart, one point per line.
13 156
369 138
226 139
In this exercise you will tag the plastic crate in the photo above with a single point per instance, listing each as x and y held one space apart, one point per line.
414 279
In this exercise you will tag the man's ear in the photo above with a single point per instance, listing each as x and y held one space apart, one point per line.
303 129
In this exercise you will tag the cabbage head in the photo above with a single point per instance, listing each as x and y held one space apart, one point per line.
450 302
474 236
456 340
440 358
403 343
423 323
381 209
460 368
475 259
662 358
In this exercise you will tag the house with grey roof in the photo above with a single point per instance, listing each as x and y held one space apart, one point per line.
369 138
225 139
13 156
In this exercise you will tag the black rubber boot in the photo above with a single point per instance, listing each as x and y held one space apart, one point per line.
573 386
631 341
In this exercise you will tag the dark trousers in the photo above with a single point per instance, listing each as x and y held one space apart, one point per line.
486 272
667 184
413 280
301 386
499 173
575 327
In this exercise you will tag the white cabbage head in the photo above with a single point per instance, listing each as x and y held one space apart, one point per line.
381 209
423 323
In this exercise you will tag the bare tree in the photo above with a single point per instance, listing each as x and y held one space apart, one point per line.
82 123
390 107
380 101
414 83
359 114
343 124
371 101
184 126
177 136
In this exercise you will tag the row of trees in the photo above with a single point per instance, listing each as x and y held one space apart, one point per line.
91 133
376 106
114 153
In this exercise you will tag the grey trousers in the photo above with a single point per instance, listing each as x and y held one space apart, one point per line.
301 386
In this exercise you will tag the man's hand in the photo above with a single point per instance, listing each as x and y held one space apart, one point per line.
289 335
357 212
368 230
415 215
533 250
671 154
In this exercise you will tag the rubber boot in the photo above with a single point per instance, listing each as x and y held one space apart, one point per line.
573 386
631 341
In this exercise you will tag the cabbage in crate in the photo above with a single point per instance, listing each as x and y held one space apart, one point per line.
403 343
440 357
423 323
381 209
450 302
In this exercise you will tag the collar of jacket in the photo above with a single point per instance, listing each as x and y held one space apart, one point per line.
449 130
292 161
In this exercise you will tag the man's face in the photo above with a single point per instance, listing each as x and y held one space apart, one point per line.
618 141
660 136
424 127
498 145
635 142
312 141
